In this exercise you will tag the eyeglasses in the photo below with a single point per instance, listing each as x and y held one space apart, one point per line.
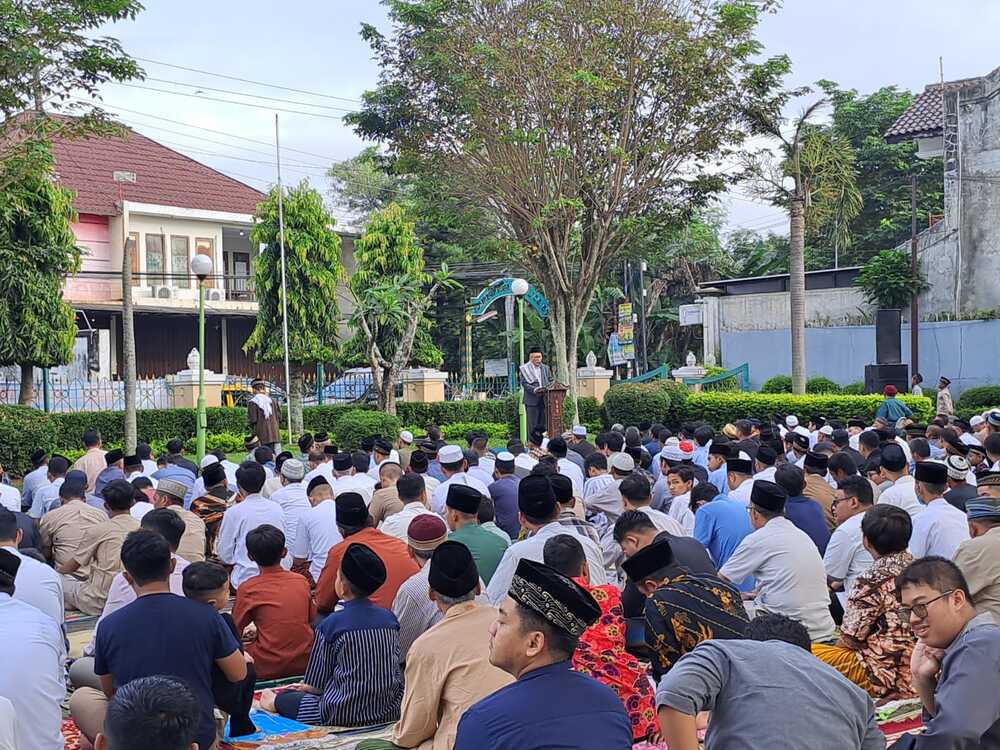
920 610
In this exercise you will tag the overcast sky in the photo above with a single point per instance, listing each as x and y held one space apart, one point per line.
314 46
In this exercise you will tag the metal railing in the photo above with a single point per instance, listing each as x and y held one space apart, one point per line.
98 394
230 287
481 388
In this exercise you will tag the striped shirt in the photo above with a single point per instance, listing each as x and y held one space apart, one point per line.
355 662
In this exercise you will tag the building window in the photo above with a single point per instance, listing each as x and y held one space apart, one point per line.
206 246
133 241
180 260
155 261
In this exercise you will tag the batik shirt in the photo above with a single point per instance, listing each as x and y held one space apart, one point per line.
686 610
871 619
601 654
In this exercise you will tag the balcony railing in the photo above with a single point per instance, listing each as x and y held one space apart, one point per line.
228 287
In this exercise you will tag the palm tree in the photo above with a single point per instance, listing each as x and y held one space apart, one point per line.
815 178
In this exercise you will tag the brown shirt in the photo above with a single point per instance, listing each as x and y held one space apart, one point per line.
91 463
979 561
819 490
62 529
385 503
192 546
392 552
101 550
265 428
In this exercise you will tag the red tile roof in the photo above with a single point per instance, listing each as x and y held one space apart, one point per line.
163 177
922 119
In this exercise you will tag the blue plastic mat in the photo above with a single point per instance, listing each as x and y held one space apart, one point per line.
269 725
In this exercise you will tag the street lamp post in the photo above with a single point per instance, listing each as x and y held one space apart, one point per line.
201 266
519 288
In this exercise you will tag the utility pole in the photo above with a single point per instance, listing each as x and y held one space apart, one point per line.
914 305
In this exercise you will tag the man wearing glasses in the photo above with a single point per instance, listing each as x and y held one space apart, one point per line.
956 661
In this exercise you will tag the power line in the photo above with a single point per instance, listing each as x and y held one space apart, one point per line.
228 101
243 93
247 80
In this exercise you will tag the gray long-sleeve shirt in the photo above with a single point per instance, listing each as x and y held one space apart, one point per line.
770 694
967 698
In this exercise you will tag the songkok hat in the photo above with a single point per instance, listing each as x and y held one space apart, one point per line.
453 571
76 487
945 380
382 446
840 436
406 437
988 478
426 532
505 461
208 459
742 464
351 510
767 455
855 422
316 481
893 457
977 448
419 462
983 507
463 498
579 430
799 440
718 448
450 454
330 450
958 467
816 460
175 489
562 488
555 597
342 462
768 495
132 462
966 426
113 456
320 437
251 442
623 463
648 560
428 446
931 472
37 455
993 418
791 421
293 469
363 568
9 564
368 443
955 444
535 497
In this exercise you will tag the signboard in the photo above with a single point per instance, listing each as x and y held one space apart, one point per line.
616 358
626 330
496 368
690 315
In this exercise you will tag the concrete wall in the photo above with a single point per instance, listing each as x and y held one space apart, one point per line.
963 351
759 312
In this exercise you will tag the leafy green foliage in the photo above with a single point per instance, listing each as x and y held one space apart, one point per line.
820 384
632 403
729 384
853 389
718 409
37 251
363 184
22 430
777 384
353 426
590 411
980 397
457 431
887 281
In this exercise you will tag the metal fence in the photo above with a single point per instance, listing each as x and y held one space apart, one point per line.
78 394
481 388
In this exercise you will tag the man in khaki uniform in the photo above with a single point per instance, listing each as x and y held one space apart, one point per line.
385 502
62 530
979 558
91 463
170 494
815 466
100 552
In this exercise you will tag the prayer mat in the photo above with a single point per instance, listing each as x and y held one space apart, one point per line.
898 718
77 620
71 735
274 684
314 738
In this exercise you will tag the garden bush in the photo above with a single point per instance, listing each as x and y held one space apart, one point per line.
591 412
777 384
853 389
632 403
719 408
819 384
980 398
22 430
354 425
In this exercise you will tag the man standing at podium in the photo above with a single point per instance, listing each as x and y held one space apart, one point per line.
535 378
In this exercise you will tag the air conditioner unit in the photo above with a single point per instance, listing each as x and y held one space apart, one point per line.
214 295
161 291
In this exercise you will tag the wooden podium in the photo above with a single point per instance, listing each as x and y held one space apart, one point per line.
555 418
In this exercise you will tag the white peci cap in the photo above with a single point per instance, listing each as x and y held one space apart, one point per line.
406 436
450 454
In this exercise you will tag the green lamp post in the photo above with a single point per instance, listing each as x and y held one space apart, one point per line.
201 266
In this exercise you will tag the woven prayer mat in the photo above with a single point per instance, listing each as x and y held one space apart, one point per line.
71 735
77 620
310 738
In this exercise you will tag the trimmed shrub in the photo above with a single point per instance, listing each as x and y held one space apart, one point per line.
853 389
980 397
969 412
22 430
819 384
353 426
719 408
632 403
591 412
777 384
322 418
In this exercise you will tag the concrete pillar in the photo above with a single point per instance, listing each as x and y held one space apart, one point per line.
711 329
186 385
423 385
225 346
593 381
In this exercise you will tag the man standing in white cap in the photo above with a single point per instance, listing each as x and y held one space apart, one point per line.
454 466
404 447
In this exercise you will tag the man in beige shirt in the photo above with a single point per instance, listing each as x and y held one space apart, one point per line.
92 462
979 558
170 493
448 668
385 501
815 465
62 530
100 552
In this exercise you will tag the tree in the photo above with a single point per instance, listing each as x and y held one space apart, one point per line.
887 280
37 251
313 271
569 120
364 184
822 199
391 291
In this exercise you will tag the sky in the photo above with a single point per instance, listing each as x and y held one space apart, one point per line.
314 46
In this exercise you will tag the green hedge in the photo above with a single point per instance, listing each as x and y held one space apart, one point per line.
719 408
777 384
853 389
353 426
981 397
591 411
968 413
22 430
820 384
632 403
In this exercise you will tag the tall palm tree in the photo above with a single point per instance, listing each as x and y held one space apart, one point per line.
814 176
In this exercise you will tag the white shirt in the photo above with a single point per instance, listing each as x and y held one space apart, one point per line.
938 530
488 464
397 524
46 496
680 511
903 494
846 557
324 469
34 481
430 484
441 493
360 483
293 501
316 534
532 548
477 472
10 498
790 577
40 586
32 675
766 474
569 469
8 725
139 509
149 467
742 493
525 462
665 522
237 522
613 554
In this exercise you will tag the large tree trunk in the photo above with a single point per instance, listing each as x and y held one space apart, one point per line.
387 393
27 393
295 400
797 295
